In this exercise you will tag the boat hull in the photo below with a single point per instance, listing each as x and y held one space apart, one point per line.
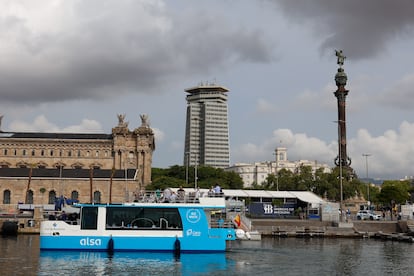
181 227
156 244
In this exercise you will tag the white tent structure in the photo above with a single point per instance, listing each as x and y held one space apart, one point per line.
262 195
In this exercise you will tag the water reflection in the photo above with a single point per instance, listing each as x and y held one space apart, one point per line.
279 256
129 263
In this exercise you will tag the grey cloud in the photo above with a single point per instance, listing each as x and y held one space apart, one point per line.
123 47
362 28
399 95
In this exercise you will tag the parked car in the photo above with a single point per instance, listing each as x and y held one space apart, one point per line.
367 214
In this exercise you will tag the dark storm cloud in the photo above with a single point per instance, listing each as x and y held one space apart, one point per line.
95 50
363 28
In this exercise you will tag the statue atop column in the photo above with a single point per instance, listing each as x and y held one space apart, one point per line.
340 57
1 118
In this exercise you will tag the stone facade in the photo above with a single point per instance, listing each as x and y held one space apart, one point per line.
37 167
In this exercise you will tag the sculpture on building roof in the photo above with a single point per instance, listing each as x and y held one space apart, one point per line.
144 120
1 118
121 121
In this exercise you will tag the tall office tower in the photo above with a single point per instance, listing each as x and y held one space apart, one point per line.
207 127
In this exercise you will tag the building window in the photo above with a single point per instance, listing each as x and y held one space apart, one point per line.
33 152
15 152
6 197
60 152
74 195
97 197
29 197
42 152
5 151
51 152
52 197
24 152
97 153
79 153
87 153
69 153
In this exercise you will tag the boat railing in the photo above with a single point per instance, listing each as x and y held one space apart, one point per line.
171 197
221 223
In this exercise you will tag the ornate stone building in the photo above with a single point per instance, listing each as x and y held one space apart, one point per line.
37 168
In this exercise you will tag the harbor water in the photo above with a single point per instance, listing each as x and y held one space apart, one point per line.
271 256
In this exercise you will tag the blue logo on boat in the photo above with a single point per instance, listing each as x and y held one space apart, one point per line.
193 215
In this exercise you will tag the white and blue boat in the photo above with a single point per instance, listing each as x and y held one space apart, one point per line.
142 226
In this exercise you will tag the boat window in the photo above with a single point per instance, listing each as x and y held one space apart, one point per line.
89 218
142 218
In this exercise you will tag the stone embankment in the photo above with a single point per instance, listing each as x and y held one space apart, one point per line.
401 230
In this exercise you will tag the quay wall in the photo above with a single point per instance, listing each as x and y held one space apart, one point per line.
268 227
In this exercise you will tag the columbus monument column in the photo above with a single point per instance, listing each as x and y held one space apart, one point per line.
342 160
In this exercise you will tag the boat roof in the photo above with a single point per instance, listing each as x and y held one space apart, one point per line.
304 196
204 202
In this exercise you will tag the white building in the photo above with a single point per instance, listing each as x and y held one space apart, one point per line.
258 171
207 127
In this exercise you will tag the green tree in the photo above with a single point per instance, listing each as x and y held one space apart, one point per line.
304 179
394 191
270 183
285 180
163 182
207 176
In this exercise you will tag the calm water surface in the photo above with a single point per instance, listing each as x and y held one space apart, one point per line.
279 256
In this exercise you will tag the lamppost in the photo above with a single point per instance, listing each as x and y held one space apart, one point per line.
277 174
276 168
187 162
366 155
195 171
126 178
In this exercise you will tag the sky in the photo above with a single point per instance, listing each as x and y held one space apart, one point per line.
73 65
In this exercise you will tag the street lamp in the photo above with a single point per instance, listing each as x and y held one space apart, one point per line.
187 162
195 171
366 155
276 172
